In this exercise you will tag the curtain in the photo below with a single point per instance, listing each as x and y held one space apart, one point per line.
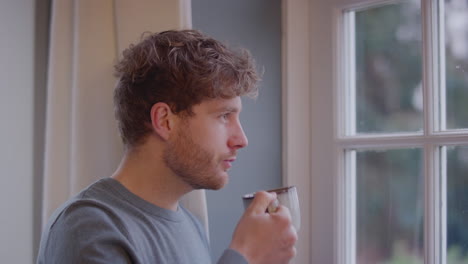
82 142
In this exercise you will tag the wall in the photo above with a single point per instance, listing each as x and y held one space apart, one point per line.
16 133
255 25
16 129
23 42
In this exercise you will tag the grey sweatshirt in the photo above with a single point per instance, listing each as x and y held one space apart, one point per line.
106 223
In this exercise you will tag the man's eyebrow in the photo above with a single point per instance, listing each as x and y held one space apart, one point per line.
228 109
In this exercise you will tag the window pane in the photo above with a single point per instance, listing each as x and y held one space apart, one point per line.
388 68
456 63
457 205
390 206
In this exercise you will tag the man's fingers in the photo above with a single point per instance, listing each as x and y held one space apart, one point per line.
273 206
283 210
261 202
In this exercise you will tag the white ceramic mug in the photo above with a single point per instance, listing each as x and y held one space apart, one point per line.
286 196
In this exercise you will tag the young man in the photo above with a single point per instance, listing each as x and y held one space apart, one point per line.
177 103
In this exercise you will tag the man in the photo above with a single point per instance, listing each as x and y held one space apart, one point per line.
177 103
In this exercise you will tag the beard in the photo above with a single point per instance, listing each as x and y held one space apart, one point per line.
195 165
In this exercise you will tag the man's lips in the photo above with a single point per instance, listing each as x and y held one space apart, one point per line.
228 162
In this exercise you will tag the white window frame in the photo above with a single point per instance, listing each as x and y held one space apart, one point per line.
301 150
296 113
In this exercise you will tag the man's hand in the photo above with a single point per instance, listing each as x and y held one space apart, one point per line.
265 238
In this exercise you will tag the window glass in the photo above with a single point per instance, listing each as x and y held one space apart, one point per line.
456 63
390 206
457 205
388 68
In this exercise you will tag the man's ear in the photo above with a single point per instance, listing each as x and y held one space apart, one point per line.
162 119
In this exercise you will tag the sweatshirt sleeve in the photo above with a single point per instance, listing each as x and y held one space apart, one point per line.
231 256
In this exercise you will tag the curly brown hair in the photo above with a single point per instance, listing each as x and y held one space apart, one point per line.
181 68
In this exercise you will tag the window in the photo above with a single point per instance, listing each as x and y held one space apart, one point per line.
401 132
376 138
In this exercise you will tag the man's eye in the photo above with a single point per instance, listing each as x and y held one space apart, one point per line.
225 116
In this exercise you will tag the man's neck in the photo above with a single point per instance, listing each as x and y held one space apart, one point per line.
145 174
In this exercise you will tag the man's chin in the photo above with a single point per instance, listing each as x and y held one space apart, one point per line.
213 184
221 181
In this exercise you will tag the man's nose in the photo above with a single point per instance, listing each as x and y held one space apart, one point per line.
238 138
